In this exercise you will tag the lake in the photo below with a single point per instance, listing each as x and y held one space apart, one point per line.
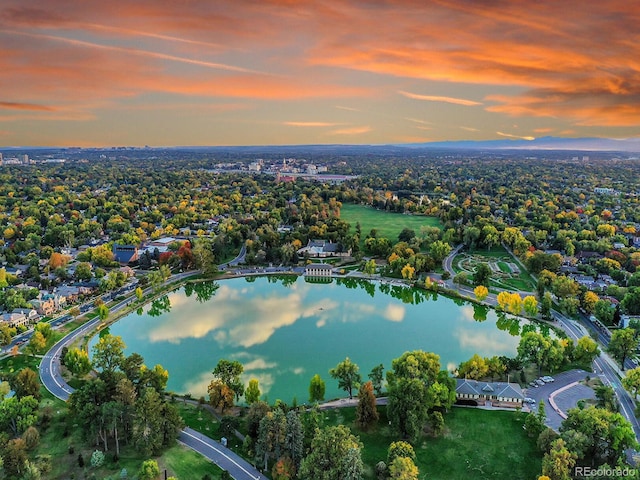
286 329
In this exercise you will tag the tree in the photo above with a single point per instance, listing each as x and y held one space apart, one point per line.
586 350
37 343
149 470
589 300
376 376
14 458
148 423
103 312
294 440
544 352
631 381
83 271
18 414
31 471
623 345
482 274
406 235
530 305
97 459
439 250
77 361
409 396
403 468
252 394
220 395
496 367
481 292
108 353
408 272
603 436
565 287
370 267
31 437
631 301
316 389
545 306
604 311
606 398
335 455
559 462
400 449
6 332
204 257
26 383
475 368
348 376
229 372
366 411
272 435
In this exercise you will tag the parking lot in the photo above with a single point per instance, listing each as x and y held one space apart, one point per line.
566 400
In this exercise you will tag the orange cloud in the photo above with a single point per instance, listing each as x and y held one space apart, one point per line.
310 124
76 59
352 130
436 98
515 136
25 106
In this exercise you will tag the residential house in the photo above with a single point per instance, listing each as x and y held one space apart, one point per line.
68 293
125 254
128 271
44 307
323 248
30 313
15 319
495 394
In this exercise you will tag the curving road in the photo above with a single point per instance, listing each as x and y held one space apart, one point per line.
50 377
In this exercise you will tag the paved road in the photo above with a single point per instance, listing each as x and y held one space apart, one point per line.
50 376
605 368
220 455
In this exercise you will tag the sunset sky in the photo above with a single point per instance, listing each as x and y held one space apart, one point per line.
212 72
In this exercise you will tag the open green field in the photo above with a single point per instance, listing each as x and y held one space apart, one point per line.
478 444
388 224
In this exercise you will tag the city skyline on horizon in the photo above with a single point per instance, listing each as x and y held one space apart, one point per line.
287 73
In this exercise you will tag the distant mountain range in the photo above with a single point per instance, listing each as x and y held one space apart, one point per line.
542 143
628 145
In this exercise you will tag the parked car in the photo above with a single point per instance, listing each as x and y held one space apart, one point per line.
534 384
547 379
540 382
529 400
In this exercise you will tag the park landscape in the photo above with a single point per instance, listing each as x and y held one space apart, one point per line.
397 262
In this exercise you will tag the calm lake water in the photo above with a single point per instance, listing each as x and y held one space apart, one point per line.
285 330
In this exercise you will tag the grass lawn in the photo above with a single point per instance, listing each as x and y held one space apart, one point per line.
199 419
477 444
388 224
183 463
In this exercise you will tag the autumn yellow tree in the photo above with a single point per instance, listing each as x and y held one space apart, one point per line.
408 272
589 301
481 292
515 303
503 300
